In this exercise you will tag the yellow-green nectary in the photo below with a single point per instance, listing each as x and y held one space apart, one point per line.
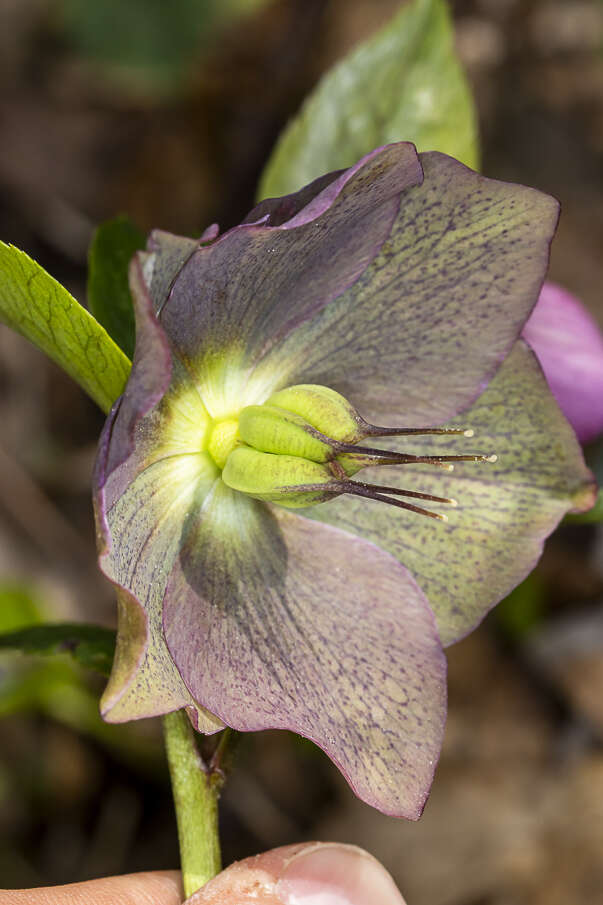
292 481
299 448
325 409
285 447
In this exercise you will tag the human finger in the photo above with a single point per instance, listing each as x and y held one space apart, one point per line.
153 888
316 873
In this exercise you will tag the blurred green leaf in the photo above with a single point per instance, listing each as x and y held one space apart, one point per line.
90 646
109 297
39 308
523 609
18 607
404 84
158 37
57 689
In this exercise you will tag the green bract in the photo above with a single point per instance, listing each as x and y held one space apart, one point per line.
405 80
391 294
39 308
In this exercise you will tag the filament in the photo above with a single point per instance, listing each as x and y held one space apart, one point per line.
371 430
364 491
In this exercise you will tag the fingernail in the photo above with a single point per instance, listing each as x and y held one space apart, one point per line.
336 875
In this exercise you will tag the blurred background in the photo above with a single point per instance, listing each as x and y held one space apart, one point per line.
167 112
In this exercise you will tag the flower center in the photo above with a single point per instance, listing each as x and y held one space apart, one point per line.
301 447
223 438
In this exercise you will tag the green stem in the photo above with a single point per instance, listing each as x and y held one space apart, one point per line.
196 792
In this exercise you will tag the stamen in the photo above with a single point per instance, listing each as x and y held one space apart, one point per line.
364 491
400 492
371 430
349 457
395 458
399 459
456 458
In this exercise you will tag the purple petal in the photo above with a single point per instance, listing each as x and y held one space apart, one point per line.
569 346
404 296
148 381
277 622
233 299
165 256
505 510
379 170
423 329
276 211
135 453
146 524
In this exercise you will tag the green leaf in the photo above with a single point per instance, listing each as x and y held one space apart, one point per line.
148 43
90 645
109 297
405 83
523 609
39 308
18 607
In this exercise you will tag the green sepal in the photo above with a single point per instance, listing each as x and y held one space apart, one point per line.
591 516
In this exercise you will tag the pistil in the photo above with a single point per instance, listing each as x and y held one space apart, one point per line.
301 448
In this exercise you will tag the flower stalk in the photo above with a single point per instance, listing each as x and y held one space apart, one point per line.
196 791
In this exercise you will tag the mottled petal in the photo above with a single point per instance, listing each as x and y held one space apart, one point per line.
276 211
147 524
145 478
166 253
277 622
505 510
160 413
425 327
148 381
233 299
165 256
569 346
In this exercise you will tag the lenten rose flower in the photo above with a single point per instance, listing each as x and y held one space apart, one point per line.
260 584
569 346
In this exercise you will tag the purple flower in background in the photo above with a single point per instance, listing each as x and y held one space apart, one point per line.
261 585
569 346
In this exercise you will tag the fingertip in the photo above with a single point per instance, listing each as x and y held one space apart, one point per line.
314 873
336 875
